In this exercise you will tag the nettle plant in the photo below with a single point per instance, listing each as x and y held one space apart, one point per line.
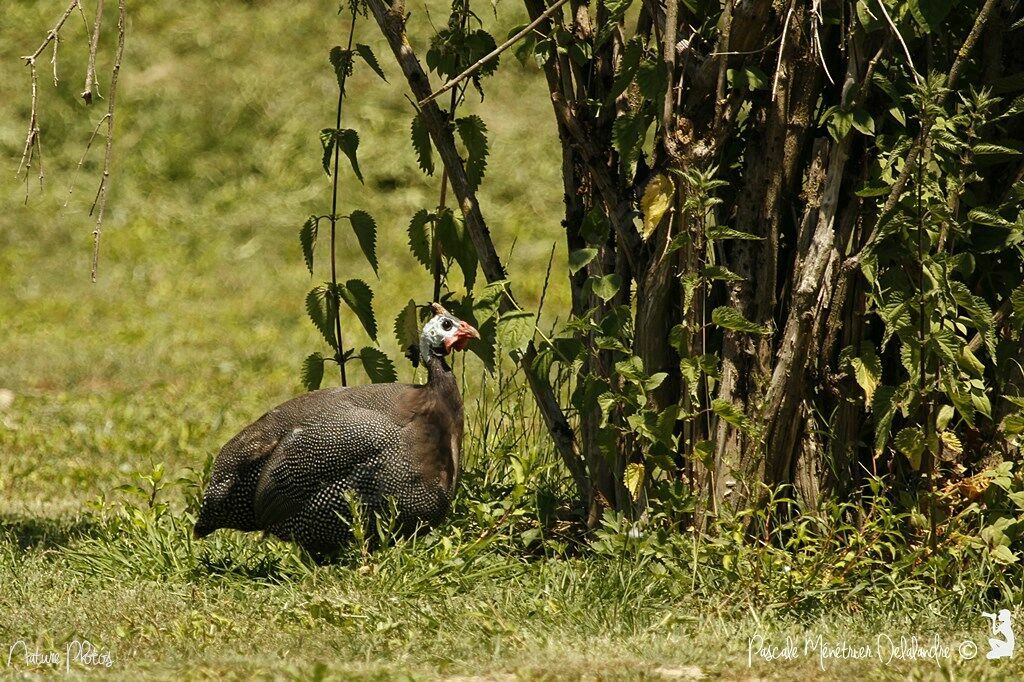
793 233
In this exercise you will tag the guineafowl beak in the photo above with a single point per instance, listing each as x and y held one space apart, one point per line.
461 337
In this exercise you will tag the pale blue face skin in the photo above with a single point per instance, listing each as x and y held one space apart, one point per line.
439 333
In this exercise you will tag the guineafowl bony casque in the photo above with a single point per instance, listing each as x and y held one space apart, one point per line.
293 472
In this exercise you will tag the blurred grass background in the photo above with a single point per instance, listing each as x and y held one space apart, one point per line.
196 324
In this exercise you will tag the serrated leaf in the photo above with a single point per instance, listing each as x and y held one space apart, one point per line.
422 145
723 232
720 272
867 370
633 479
359 297
455 243
407 326
652 79
327 140
365 228
419 238
606 287
348 142
731 414
996 150
579 259
307 238
951 446
942 419
473 133
910 442
628 133
515 329
378 366
732 319
657 200
321 313
341 60
312 371
371 60
883 409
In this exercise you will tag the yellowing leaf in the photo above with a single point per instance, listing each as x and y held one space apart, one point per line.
633 478
656 201
867 369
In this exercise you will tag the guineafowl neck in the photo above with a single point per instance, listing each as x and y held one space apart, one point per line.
441 379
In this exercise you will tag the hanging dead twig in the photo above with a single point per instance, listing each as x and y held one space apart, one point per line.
100 203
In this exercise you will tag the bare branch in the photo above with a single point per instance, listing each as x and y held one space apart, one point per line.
90 72
52 35
782 48
101 196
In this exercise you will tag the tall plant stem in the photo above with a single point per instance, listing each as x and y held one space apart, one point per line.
335 298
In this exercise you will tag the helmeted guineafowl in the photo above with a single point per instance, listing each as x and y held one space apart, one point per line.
293 472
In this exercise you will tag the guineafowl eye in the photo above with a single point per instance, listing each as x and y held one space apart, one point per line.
446 325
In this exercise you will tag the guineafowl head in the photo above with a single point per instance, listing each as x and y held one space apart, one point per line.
444 333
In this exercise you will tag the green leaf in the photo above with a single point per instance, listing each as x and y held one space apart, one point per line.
657 200
307 237
732 319
341 60
628 65
321 312
867 370
365 228
515 329
723 232
606 287
348 142
407 326
595 227
367 54
628 133
378 366
473 133
731 414
863 122
910 441
1017 303
359 297
422 145
883 409
652 79
996 150
327 140
720 272
312 371
747 78
580 258
929 14
419 238
455 243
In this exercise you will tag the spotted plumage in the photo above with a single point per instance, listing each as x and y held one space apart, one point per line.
295 472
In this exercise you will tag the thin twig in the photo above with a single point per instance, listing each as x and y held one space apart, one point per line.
816 37
494 53
782 47
52 35
101 195
723 62
669 55
906 50
90 72
88 146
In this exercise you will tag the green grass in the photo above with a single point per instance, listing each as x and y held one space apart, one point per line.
196 326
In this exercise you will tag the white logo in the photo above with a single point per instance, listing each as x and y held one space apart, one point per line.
1002 624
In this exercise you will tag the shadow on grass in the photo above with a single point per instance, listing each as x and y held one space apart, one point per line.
42 533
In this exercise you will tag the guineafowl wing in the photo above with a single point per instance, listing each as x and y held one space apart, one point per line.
339 441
